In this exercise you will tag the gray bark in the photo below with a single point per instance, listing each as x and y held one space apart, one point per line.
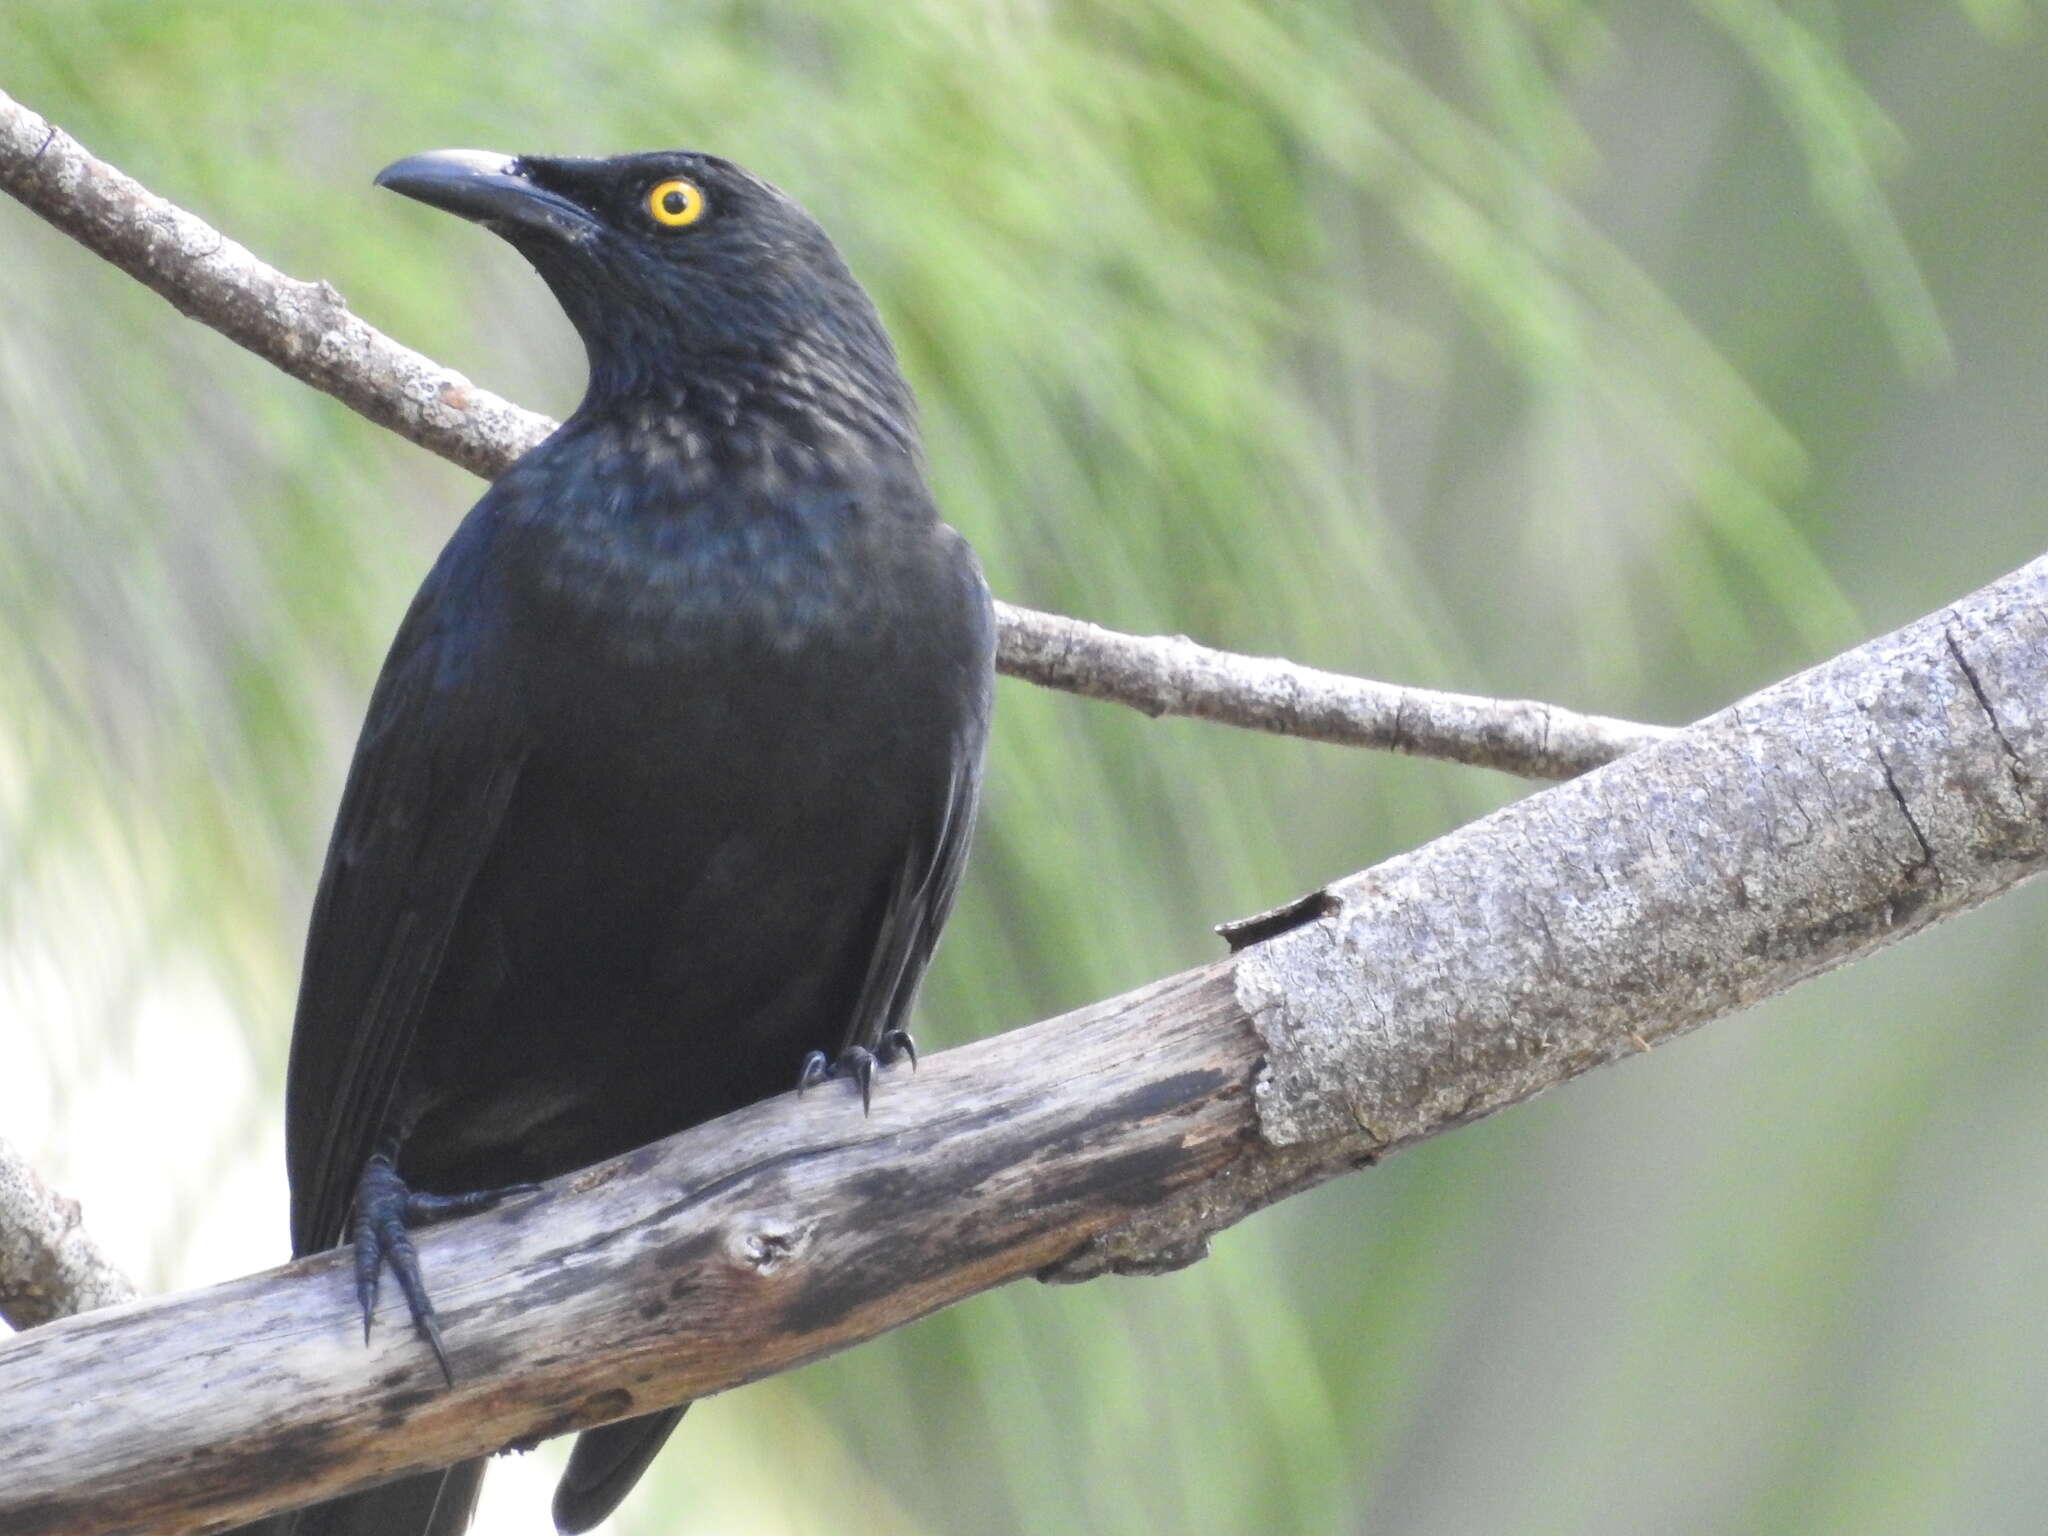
49 1264
1172 675
1814 823
1806 826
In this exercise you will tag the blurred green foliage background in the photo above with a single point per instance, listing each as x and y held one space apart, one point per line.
1629 356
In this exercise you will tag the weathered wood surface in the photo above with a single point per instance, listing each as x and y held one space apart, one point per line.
755 1243
1811 824
1817 821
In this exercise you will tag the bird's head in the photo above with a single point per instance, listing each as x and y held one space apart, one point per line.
687 278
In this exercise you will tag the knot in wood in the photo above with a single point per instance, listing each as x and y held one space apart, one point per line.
766 1244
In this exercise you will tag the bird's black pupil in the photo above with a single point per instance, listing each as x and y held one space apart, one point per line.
674 202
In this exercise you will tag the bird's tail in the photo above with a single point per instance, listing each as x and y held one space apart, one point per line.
605 1465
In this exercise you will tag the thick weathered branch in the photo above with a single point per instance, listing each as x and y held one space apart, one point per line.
1813 823
49 1265
306 329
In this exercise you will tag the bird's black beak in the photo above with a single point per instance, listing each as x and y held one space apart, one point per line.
488 188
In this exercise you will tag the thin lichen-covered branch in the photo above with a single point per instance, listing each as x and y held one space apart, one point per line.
1809 825
306 329
1172 675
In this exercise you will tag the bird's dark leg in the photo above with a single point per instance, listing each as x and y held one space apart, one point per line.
859 1063
386 1213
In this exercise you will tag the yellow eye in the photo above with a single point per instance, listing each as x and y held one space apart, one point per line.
675 203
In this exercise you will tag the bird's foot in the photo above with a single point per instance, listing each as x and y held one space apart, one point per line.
859 1063
386 1213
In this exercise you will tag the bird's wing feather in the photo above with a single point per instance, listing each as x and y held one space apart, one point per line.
911 912
440 754
921 891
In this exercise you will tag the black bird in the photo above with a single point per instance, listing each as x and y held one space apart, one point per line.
668 781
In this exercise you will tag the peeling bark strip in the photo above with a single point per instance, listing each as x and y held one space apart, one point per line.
49 1265
306 330
1815 822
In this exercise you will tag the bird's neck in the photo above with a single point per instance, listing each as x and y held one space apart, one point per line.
677 450
709 442
796 401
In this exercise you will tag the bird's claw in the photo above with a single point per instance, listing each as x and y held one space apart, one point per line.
856 1062
386 1213
859 1063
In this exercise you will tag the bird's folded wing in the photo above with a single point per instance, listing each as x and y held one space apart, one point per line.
920 895
436 766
